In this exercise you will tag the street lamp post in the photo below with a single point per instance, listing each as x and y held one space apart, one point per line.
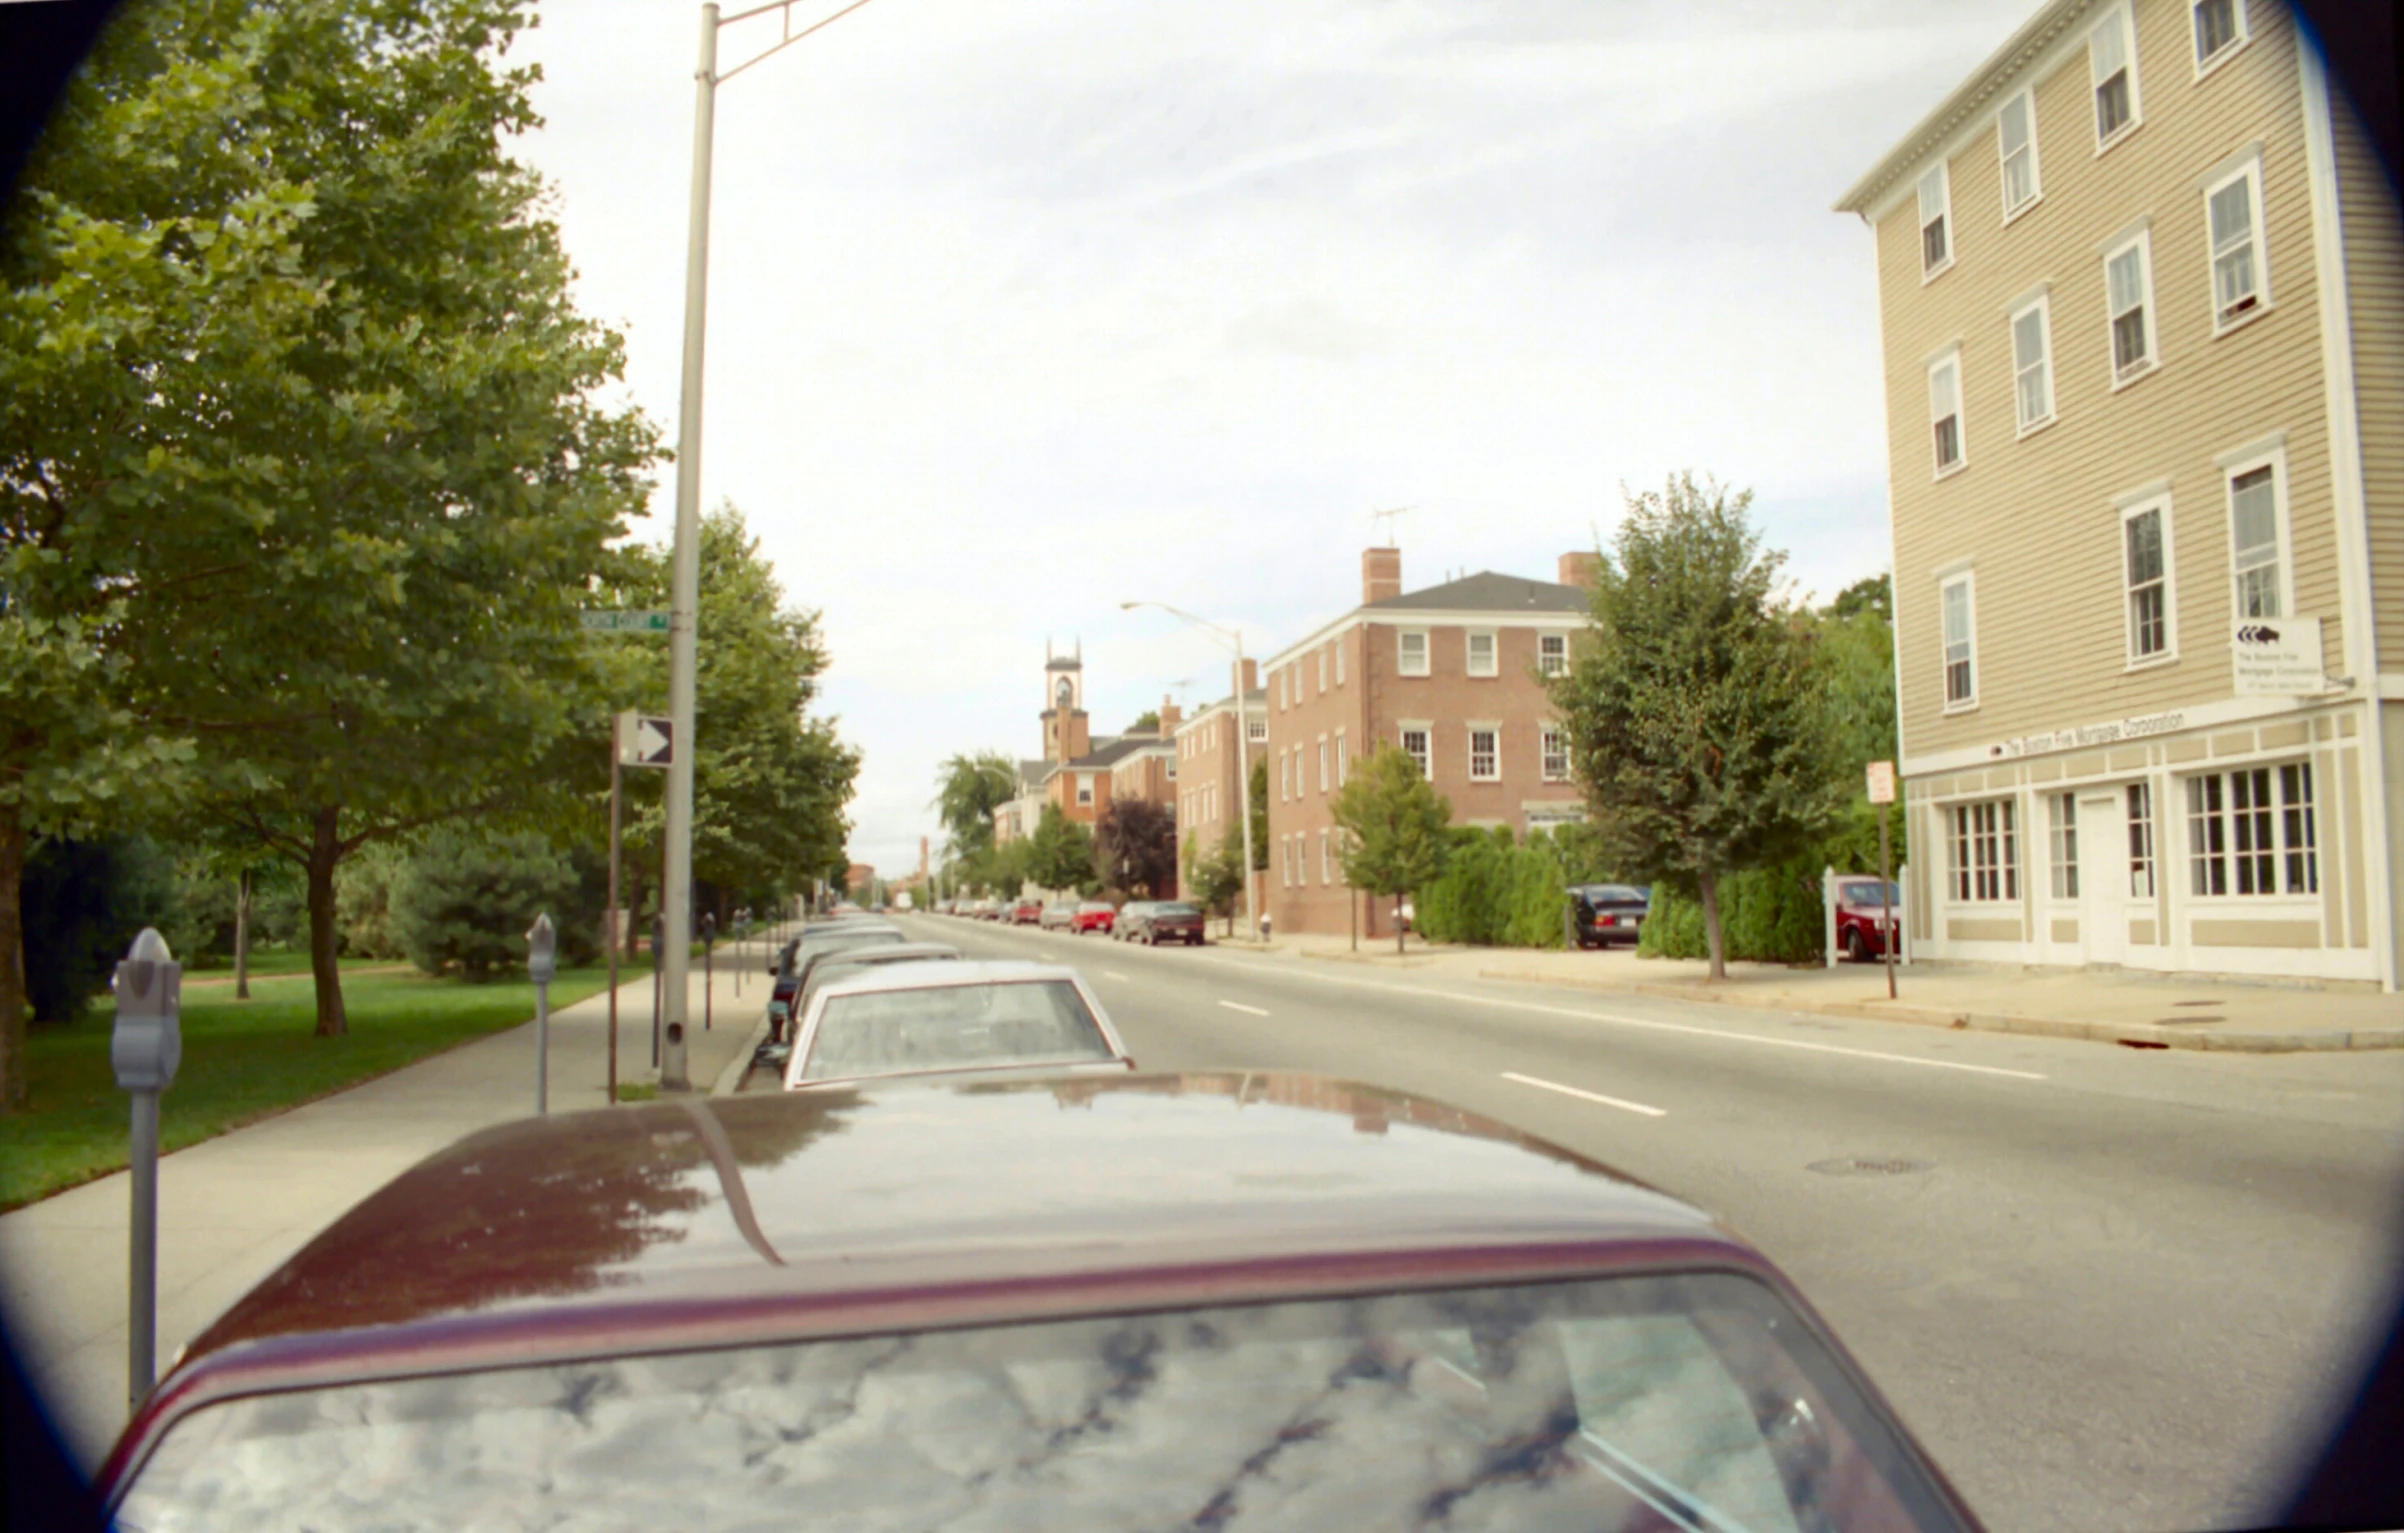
1243 746
684 597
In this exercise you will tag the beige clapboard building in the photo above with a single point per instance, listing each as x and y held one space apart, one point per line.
2142 303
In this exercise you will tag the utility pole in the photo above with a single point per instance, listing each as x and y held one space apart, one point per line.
1243 770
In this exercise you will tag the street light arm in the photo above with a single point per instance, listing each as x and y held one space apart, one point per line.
1179 612
789 39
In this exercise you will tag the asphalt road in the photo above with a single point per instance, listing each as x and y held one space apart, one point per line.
2116 1290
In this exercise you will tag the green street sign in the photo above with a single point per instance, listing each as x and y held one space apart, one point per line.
625 620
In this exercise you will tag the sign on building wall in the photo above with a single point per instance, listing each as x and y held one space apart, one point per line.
2278 657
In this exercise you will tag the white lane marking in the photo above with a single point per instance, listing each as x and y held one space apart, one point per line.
1586 1096
1250 1011
1644 1022
1113 974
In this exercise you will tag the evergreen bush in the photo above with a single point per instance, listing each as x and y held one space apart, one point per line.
465 900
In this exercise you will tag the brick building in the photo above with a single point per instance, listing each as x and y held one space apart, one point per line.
1210 784
1453 675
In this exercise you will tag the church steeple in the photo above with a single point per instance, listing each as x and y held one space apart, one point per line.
1065 732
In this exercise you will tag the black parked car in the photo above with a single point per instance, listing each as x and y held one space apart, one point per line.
1164 921
1602 914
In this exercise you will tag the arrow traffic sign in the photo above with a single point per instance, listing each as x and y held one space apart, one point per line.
625 620
644 741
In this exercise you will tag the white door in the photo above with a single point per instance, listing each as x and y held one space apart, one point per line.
2103 878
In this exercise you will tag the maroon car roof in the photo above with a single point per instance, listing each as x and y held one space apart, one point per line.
714 1221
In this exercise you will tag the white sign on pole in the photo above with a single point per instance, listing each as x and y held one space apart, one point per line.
2278 657
1882 782
644 741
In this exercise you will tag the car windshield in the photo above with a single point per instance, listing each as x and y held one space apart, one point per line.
1868 894
954 1027
1693 1402
849 965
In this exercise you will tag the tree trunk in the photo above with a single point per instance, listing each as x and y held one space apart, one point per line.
1397 924
324 936
12 958
242 935
1713 940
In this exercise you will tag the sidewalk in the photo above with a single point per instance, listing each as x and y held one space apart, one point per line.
234 1208
2126 1006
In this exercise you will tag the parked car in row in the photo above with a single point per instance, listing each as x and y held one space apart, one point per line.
1130 915
793 959
1601 915
829 962
1095 916
1862 913
1024 912
876 1307
981 1018
1059 916
1163 921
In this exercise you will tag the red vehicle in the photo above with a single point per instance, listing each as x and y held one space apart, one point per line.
1861 918
876 1307
1094 916
1024 913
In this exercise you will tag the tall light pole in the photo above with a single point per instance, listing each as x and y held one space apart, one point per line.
1243 747
684 590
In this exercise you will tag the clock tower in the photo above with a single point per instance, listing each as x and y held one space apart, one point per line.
1066 734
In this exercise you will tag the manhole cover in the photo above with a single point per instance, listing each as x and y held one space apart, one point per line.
1869 1165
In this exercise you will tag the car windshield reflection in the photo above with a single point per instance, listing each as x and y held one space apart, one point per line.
888 1032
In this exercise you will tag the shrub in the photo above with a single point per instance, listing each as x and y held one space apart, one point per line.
465 900
84 902
1768 915
363 900
1496 894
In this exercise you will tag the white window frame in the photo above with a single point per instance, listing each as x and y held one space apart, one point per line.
1494 774
2142 242
2027 99
1285 862
2143 864
1968 832
2238 38
1338 646
2136 119
1322 670
1326 875
1553 754
2214 831
1085 787
2247 168
1967 580
1323 763
1552 654
1942 175
1402 652
2061 846
1285 776
2158 505
2041 305
2232 468
1951 358
1343 762
1493 640
1426 754
1257 731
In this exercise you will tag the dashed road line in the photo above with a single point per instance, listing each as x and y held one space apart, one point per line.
1114 974
1586 1096
1250 1011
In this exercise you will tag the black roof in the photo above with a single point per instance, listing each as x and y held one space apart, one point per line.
1486 591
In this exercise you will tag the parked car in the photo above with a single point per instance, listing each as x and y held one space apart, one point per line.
1861 915
828 965
879 1307
1006 1016
1603 914
1024 913
1130 916
793 959
1168 921
1059 916
1095 916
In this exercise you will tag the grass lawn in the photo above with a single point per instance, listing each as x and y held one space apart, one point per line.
245 1060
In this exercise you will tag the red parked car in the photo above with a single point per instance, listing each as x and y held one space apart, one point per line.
1094 916
1024 913
882 1308
1860 918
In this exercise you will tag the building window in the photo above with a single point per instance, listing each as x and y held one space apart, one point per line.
2219 28
2061 843
1936 198
1552 654
1945 411
2146 561
1556 754
1343 766
2258 539
1084 789
2112 65
1285 862
2016 145
1482 660
1323 764
1411 658
1257 731
1326 866
1961 643
1285 776
2141 841
2032 365
1986 852
2253 832
2129 296
1415 745
1322 670
2240 276
1485 753
1339 649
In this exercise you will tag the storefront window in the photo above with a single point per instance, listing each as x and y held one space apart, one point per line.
1986 853
2252 832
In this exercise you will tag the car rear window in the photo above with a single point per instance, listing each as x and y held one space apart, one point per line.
1693 1402
1176 910
953 1027
1095 909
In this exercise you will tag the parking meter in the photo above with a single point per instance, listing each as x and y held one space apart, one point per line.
145 1046
542 966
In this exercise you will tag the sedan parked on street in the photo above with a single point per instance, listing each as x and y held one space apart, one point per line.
1129 916
1095 916
792 962
1602 915
1862 916
1166 921
1059 916
826 965
952 1019
1023 913
1238 1302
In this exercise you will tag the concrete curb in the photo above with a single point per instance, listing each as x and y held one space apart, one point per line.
730 1079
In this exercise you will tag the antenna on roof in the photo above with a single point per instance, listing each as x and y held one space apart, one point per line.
1387 516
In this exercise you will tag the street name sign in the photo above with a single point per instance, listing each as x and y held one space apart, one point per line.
644 741
1882 782
625 620
2278 657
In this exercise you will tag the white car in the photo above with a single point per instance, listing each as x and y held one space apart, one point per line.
953 1018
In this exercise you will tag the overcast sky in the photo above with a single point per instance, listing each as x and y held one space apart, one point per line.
1019 310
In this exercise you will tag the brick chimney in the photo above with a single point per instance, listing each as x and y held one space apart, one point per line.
1381 574
1170 717
1251 676
1578 569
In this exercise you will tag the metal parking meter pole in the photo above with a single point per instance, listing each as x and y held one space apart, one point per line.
709 970
659 963
542 964
145 1047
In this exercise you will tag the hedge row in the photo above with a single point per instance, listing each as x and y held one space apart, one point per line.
1767 915
1497 894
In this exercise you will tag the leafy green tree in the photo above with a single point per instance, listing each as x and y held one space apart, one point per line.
968 788
1697 724
1060 854
1260 814
1854 651
1135 847
465 899
1146 723
1214 875
1394 824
